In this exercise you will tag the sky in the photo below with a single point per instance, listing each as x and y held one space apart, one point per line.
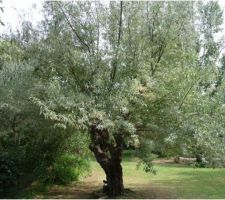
14 12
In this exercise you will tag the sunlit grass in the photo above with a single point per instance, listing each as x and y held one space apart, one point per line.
182 182
179 181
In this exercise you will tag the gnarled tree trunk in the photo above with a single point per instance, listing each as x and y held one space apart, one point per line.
109 156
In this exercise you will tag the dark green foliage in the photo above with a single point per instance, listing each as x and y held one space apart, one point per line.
59 156
200 161
9 173
66 168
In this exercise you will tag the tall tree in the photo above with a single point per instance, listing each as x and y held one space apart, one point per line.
101 65
206 97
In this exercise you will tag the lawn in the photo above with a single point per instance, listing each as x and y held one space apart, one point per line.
171 181
180 181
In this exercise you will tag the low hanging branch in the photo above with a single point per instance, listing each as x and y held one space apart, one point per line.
113 73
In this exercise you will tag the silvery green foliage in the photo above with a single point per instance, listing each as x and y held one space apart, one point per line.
203 113
15 87
210 27
145 81
82 49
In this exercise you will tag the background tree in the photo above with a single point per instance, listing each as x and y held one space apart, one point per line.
29 142
203 105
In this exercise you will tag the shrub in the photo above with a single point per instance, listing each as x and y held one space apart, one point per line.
67 168
201 162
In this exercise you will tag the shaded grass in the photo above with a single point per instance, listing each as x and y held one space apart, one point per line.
27 188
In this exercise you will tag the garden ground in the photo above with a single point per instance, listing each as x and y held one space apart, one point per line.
171 181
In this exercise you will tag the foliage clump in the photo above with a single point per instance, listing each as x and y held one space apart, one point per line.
9 173
66 168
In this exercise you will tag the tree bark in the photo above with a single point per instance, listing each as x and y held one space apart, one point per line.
114 180
109 156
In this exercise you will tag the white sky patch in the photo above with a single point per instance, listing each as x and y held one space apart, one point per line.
16 11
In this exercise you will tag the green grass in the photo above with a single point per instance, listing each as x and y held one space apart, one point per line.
184 182
170 181
176 180
192 183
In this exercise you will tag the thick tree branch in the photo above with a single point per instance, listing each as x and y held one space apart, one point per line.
114 67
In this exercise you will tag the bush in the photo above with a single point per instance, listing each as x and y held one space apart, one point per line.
67 168
201 162
8 173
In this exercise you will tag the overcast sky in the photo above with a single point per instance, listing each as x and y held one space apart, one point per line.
15 9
